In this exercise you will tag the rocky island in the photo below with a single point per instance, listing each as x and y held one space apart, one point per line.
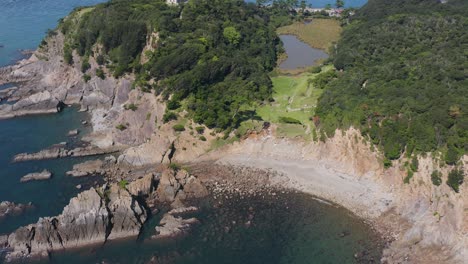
190 110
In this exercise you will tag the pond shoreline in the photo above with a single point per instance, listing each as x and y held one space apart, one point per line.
299 54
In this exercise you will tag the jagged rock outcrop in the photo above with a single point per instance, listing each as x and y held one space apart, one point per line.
94 216
6 93
37 176
169 186
59 151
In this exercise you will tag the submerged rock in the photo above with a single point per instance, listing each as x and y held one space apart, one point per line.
37 176
9 208
3 241
171 226
73 133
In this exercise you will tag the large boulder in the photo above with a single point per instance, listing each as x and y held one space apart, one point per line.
193 188
179 184
143 186
128 215
168 186
42 102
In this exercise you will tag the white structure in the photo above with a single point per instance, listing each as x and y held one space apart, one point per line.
175 2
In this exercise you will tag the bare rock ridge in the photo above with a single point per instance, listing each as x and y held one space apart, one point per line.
94 216
60 151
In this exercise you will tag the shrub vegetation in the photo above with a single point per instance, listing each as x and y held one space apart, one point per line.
455 179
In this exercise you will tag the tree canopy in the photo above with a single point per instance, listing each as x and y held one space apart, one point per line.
404 79
215 54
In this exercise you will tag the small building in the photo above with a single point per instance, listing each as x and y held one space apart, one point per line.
175 2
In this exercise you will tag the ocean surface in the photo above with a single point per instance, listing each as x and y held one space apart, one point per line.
23 23
285 228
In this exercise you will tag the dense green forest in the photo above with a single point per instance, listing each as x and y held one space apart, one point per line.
216 54
404 78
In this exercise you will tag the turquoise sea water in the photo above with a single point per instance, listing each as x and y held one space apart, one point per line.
287 228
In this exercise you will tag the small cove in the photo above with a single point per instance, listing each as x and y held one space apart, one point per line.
300 54
287 227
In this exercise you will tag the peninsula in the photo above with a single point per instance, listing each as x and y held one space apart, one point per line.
189 99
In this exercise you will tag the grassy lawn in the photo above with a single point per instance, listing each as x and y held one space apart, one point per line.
294 98
320 33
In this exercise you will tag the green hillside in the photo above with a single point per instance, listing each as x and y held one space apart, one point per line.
214 54
404 79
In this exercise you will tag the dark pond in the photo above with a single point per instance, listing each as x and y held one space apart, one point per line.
299 53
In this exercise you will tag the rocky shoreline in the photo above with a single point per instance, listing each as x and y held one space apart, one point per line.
345 171
113 211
